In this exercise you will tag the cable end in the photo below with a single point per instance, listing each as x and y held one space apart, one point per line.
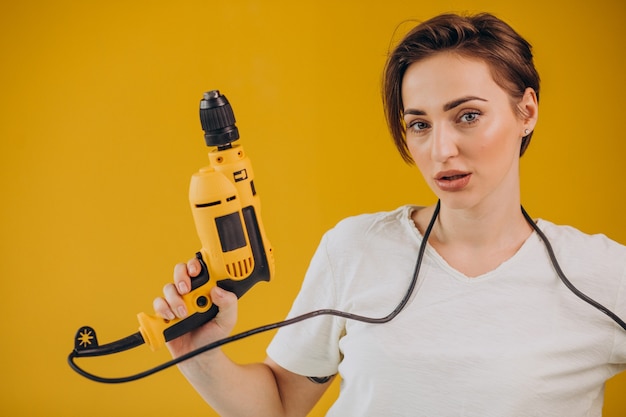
85 339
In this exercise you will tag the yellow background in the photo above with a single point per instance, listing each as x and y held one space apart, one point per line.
99 136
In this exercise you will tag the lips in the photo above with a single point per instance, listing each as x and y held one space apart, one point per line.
452 177
452 180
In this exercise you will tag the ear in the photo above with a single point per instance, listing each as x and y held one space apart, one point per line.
529 109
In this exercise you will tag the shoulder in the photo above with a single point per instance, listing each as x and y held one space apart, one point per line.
591 259
368 225
572 239
371 233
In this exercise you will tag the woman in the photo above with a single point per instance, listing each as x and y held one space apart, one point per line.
489 329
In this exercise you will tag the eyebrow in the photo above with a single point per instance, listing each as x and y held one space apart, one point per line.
446 107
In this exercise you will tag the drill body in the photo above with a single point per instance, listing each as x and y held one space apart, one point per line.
235 252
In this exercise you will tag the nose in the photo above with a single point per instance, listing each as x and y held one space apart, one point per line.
443 144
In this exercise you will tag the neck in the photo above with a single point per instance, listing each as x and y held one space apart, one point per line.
480 225
475 241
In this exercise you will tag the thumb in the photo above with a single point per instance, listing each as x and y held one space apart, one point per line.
226 301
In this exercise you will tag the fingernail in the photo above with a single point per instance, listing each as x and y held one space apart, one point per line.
192 269
182 287
170 316
182 311
219 292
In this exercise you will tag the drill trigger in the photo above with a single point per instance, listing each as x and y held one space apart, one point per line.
203 277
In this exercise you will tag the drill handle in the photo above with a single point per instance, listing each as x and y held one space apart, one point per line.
156 331
262 272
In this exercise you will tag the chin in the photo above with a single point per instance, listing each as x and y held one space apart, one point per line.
457 200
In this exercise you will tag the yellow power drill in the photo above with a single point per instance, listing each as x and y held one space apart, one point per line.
235 252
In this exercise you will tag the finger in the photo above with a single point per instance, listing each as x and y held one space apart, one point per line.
162 308
182 278
193 267
174 300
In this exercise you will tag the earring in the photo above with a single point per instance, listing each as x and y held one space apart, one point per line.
526 132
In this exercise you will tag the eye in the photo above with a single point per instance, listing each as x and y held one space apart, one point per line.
470 116
417 126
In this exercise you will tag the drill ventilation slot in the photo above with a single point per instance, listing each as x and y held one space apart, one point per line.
240 269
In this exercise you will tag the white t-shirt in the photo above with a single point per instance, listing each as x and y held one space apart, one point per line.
512 342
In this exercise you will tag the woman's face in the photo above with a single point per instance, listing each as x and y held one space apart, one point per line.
462 130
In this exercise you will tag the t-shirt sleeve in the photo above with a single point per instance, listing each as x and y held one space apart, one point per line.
311 347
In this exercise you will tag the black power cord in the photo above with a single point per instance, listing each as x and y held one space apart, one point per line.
330 312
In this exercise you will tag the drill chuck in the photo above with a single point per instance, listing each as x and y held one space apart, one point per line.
218 120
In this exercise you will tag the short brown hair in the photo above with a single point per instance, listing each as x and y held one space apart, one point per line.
482 36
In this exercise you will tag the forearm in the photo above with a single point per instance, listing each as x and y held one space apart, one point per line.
234 390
